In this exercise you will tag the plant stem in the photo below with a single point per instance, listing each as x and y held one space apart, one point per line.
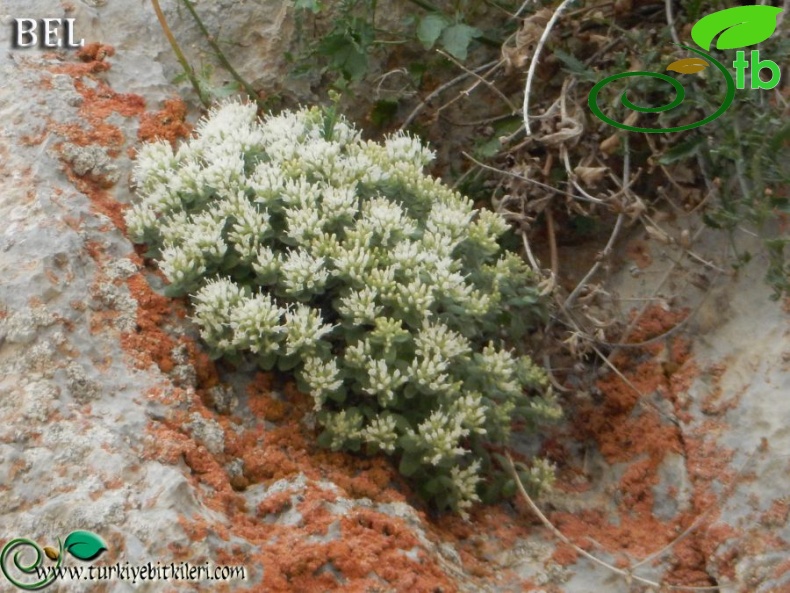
179 54
221 57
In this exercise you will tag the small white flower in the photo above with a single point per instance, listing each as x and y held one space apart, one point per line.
267 182
382 432
472 411
182 265
352 262
451 220
304 329
266 264
213 304
499 369
401 147
430 374
343 427
465 483
385 220
339 203
439 340
415 297
304 223
256 324
440 434
382 381
303 273
140 220
323 377
359 354
154 163
360 306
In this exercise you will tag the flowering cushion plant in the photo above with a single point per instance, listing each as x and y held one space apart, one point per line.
385 292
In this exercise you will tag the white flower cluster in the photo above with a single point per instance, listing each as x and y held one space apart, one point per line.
314 250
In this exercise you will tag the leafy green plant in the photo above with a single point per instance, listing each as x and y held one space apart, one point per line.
354 39
453 35
309 250
344 49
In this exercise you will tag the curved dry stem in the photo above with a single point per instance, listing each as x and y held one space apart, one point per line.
253 94
480 79
555 264
190 73
517 176
585 197
532 261
671 21
612 238
618 225
626 574
534 63
449 84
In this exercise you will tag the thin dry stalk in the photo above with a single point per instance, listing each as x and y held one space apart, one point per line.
628 575
251 92
671 21
449 84
517 176
481 79
190 73
555 265
612 238
534 63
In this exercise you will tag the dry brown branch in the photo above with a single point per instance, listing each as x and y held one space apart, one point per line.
481 79
449 84
534 63
190 73
628 575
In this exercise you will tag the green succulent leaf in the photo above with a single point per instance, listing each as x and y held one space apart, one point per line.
739 27
409 464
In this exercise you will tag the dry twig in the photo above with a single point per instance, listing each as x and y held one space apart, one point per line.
627 574
534 63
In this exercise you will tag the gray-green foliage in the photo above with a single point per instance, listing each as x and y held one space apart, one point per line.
386 292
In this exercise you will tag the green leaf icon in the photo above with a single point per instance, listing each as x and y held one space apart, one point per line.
84 545
739 27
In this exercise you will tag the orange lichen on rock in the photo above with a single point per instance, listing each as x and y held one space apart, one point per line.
150 343
629 428
167 124
325 550
99 101
95 52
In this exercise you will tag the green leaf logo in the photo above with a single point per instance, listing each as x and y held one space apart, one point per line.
84 545
739 27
